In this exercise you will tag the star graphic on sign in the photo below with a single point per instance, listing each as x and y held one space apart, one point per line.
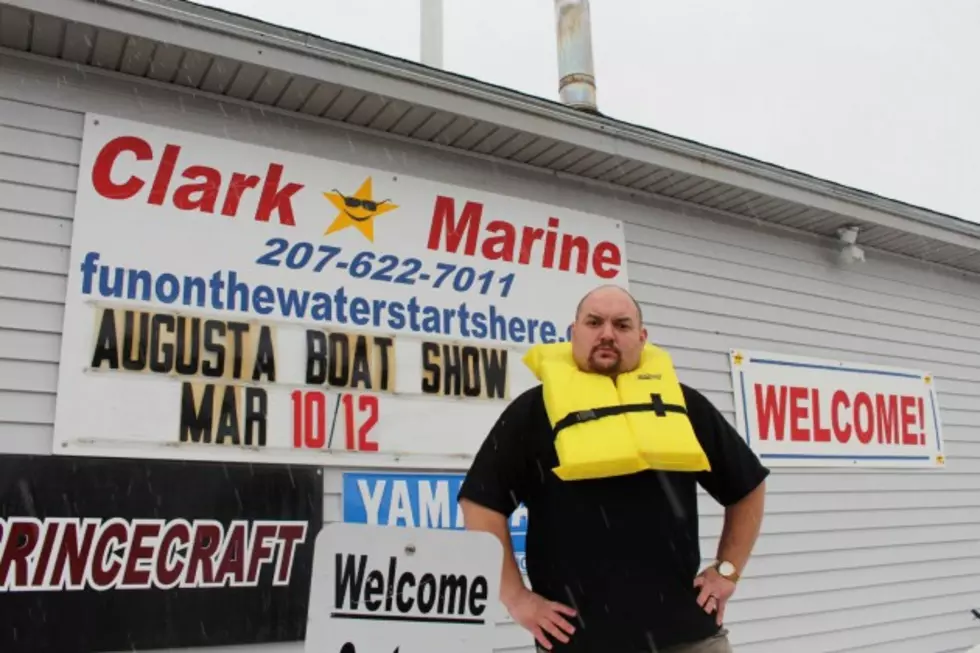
738 358
358 210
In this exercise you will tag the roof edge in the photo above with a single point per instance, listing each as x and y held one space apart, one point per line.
683 154
489 92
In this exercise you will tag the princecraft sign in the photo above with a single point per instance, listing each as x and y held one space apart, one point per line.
73 554
171 554
234 302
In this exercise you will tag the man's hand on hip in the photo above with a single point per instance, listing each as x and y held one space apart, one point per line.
715 592
539 615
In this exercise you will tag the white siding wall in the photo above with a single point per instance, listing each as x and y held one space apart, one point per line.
849 560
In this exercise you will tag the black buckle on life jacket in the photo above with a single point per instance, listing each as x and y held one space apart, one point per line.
656 404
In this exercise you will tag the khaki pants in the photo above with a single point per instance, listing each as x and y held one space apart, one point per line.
716 644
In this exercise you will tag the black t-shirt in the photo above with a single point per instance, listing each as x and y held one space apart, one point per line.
622 551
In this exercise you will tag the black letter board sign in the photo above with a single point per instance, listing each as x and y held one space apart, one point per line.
120 555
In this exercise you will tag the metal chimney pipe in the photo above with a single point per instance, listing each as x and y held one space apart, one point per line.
431 33
576 78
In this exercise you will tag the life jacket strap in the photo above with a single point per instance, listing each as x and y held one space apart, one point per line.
656 404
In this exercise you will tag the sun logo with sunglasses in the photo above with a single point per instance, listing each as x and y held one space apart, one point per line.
358 210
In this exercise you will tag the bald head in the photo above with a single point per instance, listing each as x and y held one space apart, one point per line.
608 334
613 289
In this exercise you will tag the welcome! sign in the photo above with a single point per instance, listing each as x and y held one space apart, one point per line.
796 411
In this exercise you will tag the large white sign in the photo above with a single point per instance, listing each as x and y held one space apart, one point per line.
796 411
377 589
227 301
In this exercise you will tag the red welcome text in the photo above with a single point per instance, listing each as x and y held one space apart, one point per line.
74 554
503 241
801 414
203 193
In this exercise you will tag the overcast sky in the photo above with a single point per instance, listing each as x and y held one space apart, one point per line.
883 95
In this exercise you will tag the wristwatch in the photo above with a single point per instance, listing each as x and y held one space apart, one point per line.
726 570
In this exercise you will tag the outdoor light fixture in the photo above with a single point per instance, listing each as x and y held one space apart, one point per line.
850 252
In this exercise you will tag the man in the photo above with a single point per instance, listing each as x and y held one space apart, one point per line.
613 562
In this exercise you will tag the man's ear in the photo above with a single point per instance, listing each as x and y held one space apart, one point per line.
643 334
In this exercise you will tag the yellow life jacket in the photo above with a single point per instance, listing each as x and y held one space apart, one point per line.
605 428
